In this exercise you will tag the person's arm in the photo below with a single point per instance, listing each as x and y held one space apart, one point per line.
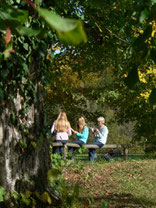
73 131
104 132
53 128
102 135
69 131
84 133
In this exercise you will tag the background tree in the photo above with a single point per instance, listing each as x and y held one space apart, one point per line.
72 93
121 35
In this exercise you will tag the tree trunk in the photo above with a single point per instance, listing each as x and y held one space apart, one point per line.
23 157
126 153
2 161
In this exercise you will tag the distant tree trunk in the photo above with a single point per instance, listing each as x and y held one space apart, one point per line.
125 153
23 157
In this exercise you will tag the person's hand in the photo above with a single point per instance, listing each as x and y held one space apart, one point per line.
73 131
97 130
92 129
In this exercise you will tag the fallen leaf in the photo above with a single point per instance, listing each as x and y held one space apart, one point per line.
7 36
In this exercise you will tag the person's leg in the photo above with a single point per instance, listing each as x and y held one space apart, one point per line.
58 149
72 149
92 151
79 142
55 150
91 154
62 148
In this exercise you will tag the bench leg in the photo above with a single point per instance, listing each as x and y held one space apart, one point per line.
65 151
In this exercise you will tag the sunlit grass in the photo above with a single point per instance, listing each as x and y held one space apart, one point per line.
129 183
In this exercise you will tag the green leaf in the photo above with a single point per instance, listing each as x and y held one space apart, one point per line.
74 37
38 195
152 97
34 145
143 15
15 195
53 174
62 163
26 46
2 193
38 2
23 143
13 14
153 1
132 78
25 199
25 31
69 30
103 204
7 50
46 198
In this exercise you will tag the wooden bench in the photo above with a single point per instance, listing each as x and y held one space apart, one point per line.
89 146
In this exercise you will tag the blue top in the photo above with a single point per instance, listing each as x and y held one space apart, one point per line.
84 135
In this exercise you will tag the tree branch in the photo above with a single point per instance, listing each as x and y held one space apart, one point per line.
125 41
31 4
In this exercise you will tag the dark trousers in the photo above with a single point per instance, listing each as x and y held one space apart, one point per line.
59 149
92 151
71 149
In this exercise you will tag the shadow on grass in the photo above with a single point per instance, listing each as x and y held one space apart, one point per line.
118 201
117 158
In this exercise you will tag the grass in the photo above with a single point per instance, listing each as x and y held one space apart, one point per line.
120 183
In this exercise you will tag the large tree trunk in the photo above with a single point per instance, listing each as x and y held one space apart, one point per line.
23 157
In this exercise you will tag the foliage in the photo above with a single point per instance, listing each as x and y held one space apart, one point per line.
67 194
72 93
121 37
2 193
57 161
134 105
24 43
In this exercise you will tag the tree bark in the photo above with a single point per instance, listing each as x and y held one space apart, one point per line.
24 157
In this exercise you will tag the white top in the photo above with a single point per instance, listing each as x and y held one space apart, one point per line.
102 136
61 135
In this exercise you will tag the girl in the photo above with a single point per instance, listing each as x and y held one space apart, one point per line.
62 129
82 133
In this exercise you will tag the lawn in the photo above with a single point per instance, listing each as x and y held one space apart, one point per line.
118 184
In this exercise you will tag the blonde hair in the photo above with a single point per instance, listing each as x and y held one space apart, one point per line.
101 119
62 114
80 124
62 123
